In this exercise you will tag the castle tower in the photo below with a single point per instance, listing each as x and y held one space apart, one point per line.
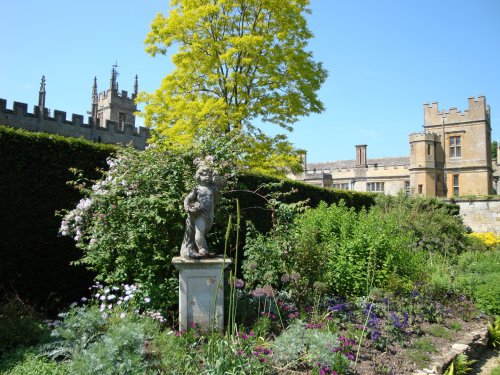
115 106
426 164
453 153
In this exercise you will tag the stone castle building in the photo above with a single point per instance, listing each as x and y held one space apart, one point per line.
112 117
451 157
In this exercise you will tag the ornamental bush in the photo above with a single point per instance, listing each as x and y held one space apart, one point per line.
130 223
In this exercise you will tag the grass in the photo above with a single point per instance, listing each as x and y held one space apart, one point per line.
424 345
420 358
455 326
437 330
496 371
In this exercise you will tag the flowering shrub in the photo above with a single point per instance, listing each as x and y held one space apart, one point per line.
130 223
489 239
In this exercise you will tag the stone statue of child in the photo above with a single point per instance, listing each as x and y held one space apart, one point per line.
200 206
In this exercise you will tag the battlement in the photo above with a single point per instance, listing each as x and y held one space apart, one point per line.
110 132
424 136
478 111
123 94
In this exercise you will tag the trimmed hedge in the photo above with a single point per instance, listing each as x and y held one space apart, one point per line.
251 204
34 260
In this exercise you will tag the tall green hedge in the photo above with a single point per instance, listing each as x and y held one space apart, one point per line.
252 205
34 170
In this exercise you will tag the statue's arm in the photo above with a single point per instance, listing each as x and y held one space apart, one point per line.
189 198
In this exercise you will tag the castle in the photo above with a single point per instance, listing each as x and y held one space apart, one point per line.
112 117
450 158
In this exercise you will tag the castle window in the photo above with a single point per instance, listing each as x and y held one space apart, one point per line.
428 149
456 190
121 120
342 186
407 187
420 189
375 187
455 147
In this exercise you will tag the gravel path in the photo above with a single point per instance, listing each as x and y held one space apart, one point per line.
489 360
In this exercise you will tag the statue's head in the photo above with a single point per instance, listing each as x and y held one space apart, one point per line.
204 175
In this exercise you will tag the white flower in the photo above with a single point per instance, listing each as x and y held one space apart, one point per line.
111 297
122 315
110 306
104 315
147 299
102 298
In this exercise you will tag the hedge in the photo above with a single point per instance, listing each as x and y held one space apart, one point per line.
35 261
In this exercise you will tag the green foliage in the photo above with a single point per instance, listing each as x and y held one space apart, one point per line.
223 355
78 328
436 225
119 351
460 365
494 333
494 150
236 62
299 346
349 251
175 354
33 186
20 325
478 276
29 362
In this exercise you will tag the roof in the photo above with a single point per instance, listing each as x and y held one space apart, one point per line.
339 164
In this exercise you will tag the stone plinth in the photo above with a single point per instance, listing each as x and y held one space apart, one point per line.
201 292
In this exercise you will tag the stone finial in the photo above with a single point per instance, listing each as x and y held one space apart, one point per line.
136 85
41 95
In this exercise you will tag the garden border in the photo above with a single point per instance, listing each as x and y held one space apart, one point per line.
472 345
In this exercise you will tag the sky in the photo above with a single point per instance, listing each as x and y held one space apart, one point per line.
385 59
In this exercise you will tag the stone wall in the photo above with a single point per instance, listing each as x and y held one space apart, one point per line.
110 132
481 215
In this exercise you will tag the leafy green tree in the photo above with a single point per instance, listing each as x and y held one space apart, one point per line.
237 62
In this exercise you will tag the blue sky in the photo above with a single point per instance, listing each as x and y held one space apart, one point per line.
385 59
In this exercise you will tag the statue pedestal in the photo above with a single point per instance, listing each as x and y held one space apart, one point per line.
201 292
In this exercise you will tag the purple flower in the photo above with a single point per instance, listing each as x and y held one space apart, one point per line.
239 284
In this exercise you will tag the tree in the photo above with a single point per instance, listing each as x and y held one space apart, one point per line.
237 62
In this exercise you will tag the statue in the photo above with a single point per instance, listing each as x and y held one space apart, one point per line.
200 206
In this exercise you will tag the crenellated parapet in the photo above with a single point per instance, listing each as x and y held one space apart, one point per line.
478 111
111 132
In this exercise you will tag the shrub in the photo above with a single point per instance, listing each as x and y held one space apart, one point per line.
130 223
119 351
20 325
298 346
29 362
435 225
